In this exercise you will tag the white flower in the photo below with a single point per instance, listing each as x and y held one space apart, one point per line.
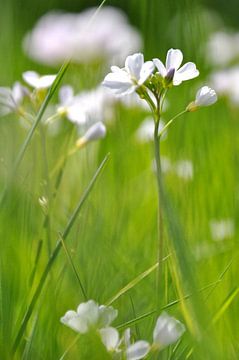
226 82
36 81
167 330
145 132
85 37
223 47
184 169
89 316
205 96
113 343
128 79
222 229
95 132
87 107
10 99
172 70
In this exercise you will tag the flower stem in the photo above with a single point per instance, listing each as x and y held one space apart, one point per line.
169 123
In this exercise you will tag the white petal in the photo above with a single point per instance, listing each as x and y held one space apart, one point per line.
186 72
31 78
46 81
95 132
146 71
89 311
119 82
133 65
76 114
72 319
160 67
174 59
110 338
106 315
137 350
66 94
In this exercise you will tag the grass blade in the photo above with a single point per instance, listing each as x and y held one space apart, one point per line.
54 255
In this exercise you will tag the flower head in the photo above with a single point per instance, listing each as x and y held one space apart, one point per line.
128 79
10 99
89 316
36 81
172 73
95 132
167 330
205 96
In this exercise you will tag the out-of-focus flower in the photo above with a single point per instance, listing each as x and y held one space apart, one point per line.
95 132
87 107
11 99
167 330
126 80
89 316
85 37
226 83
36 81
172 73
145 132
205 96
222 229
223 47
184 169
113 343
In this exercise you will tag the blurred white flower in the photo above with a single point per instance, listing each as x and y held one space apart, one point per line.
226 83
11 99
95 132
172 71
85 37
145 132
222 229
184 169
167 330
113 343
85 108
223 47
89 316
36 81
126 80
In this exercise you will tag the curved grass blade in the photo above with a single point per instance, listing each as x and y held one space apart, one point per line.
54 255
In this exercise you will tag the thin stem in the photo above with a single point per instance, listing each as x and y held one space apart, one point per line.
169 123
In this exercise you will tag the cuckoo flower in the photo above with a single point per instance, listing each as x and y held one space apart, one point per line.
10 99
167 330
172 73
205 96
89 316
36 81
95 132
128 79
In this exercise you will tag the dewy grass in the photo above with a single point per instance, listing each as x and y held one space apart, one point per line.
55 253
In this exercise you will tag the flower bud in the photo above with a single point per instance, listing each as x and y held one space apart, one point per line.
95 132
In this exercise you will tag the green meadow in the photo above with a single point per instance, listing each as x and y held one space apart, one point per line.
84 226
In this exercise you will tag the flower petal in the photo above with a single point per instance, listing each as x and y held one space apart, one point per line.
66 94
160 67
133 65
46 81
89 311
167 330
186 72
146 71
174 59
31 78
72 319
119 82
106 315
138 350
110 338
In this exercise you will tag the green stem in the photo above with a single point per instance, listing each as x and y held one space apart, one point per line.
169 123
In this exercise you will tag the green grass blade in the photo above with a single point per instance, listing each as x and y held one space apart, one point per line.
55 253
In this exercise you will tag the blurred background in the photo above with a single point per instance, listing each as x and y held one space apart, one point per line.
114 239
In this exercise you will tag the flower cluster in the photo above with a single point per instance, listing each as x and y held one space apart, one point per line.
91 316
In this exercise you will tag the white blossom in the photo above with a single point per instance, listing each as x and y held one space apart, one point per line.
167 330
222 229
223 47
205 96
37 81
184 169
126 80
95 132
85 37
145 132
89 316
11 99
226 83
172 70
